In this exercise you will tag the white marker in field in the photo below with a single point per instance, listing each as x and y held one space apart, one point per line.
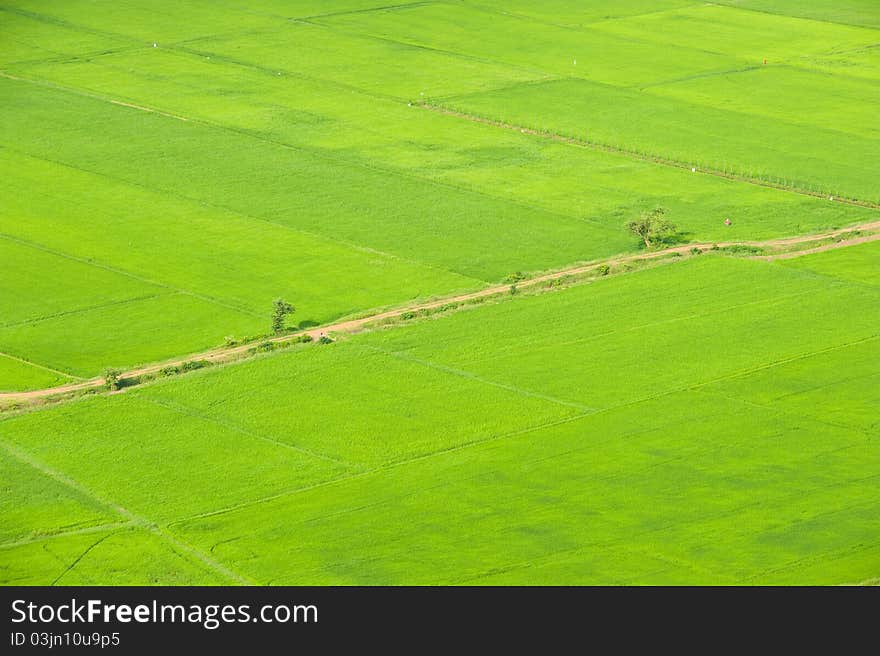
155 45
693 169
575 62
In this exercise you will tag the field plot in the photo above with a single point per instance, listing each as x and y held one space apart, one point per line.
858 264
169 169
19 375
853 12
226 129
721 433
829 160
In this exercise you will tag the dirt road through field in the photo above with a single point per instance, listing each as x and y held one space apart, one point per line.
353 325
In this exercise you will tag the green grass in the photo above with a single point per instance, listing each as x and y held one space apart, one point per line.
855 12
36 284
548 49
111 558
31 499
137 332
711 421
289 157
805 157
703 422
568 181
17 375
855 264
749 36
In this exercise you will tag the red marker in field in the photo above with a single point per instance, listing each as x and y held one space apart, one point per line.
765 60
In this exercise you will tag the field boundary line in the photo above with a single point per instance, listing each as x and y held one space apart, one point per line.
367 10
244 216
402 173
354 325
605 544
777 363
62 58
474 443
123 272
820 249
23 456
58 87
727 5
461 373
782 411
416 45
80 557
82 310
189 411
39 366
382 468
671 320
632 154
480 6
100 528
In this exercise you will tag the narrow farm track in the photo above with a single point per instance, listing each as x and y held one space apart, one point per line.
353 325
654 159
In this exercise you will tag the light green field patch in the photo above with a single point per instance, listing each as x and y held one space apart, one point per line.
620 340
240 260
769 148
579 14
855 12
123 557
793 95
545 494
377 419
854 263
133 22
38 284
17 375
126 334
163 462
465 232
747 35
661 483
33 505
379 66
313 8
590 54
29 36
840 386
605 188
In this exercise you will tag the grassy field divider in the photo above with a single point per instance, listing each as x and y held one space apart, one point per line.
513 285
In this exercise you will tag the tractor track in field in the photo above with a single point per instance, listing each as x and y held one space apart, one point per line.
353 325
654 159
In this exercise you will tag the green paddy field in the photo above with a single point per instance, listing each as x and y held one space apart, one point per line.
168 169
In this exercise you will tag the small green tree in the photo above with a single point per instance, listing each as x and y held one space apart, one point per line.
111 379
281 309
652 226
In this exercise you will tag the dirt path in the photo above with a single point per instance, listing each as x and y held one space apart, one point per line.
655 159
353 325
820 249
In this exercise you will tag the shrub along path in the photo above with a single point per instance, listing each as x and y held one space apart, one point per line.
353 325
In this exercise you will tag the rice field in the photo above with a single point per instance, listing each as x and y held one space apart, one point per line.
168 171
227 128
724 433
